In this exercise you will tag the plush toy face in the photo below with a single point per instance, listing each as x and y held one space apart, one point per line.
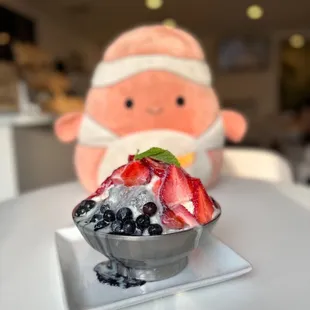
153 100
153 88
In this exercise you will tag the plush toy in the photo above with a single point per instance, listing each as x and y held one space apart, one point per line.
152 88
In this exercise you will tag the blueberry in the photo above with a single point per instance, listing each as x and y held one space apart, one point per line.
96 218
104 208
109 216
100 225
149 208
138 232
80 211
89 204
155 229
84 207
129 227
143 221
117 227
124 214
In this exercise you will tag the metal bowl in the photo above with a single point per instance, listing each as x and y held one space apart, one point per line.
148 258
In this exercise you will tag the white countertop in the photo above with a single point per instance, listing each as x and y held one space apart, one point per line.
268 224
25 119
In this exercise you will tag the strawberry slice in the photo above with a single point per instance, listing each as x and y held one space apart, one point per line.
131 158
175 189
156 187
104 185
93 195
159 168
171 220
100 190
136 173
202 202
183 215
107 182
116 175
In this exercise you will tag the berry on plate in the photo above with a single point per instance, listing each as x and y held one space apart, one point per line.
159 168
202 202
170 220
136 173
131 158
109 216
175 189
116 176
184 215
156 187
155 229
100 190
100 225
124 214
149 208
129 227
143 222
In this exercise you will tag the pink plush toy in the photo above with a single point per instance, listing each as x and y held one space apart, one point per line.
152 88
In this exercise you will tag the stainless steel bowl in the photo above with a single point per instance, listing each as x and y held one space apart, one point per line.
149 258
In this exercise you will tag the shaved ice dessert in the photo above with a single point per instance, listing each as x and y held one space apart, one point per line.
150 195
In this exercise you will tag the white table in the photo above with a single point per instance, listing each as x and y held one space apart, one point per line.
267 224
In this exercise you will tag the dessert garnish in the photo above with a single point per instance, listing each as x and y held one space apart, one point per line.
148 196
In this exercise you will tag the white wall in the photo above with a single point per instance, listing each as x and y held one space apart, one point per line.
262 87
57 36
8 180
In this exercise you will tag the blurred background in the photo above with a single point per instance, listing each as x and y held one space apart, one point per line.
259 52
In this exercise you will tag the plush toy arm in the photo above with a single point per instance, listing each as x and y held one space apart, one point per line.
67 126
87 162
235 125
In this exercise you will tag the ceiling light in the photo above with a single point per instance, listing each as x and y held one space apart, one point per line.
255 11
169 22
4 38
297 41
154 4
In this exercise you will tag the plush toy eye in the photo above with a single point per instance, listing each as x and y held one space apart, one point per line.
180 101
129 103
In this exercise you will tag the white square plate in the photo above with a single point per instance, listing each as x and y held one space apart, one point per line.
211 263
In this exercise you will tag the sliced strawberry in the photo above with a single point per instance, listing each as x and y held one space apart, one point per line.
188 176
100 190
156 187
175 189
104 185
202 202
171 220
159 168
93 196
131 158
136 173
107 182
182 214
116 175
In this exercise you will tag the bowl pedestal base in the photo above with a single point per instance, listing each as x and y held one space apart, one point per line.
112 270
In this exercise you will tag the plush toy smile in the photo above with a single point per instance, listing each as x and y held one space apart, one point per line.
155 110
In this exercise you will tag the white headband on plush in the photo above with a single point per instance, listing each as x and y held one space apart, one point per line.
111 72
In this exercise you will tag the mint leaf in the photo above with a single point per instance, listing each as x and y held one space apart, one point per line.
151 152
167 157
159 154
